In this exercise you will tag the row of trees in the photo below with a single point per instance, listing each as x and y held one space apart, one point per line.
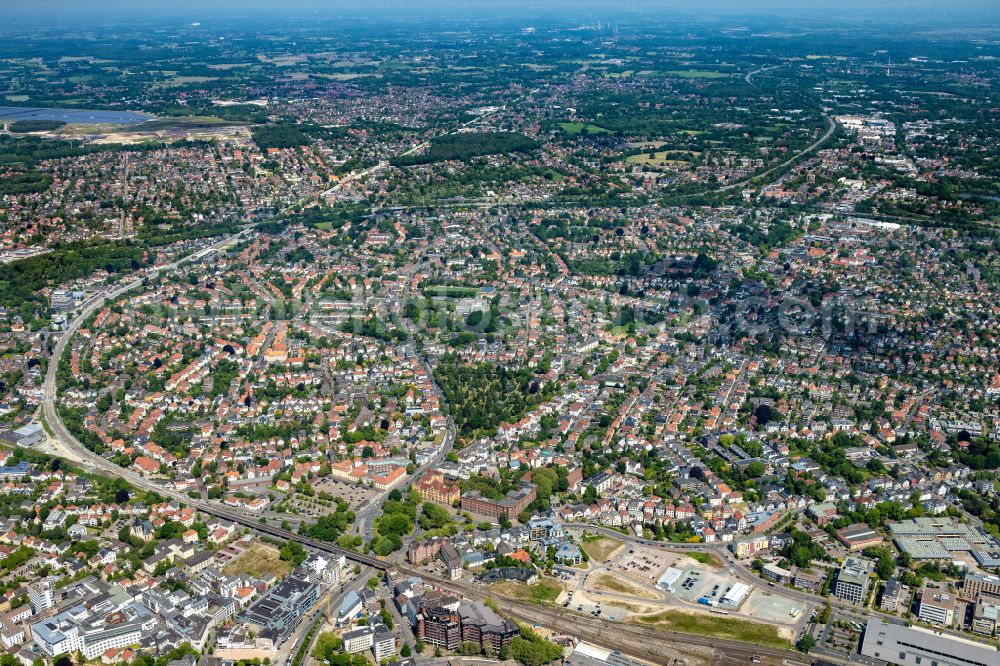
468 145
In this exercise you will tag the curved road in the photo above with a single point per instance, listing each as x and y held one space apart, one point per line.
831 126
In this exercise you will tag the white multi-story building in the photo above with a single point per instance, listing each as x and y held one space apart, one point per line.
936 606
70 631
359 640
11 636
384 645
42 595
853 579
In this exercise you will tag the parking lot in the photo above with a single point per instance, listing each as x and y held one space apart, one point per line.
643 565
580 603
696 583
774 608
356 496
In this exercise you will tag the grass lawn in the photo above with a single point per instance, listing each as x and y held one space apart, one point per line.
698 74
577 128
599 549
705 558
659 158
259 559
719 626
543 592
323 226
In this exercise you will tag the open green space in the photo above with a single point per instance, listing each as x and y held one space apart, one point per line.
544 591
697 74
704 558
584 128
718 626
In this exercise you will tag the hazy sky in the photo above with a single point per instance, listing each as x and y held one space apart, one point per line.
984 13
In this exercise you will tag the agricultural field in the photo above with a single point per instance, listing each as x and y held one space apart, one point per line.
698 74
584 128
660 158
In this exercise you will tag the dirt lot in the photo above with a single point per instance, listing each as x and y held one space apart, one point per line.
258 560
601 549
606 582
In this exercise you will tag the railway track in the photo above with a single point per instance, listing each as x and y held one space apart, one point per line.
637 640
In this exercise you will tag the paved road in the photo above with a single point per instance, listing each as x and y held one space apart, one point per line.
831 125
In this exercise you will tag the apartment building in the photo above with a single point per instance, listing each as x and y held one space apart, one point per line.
853 579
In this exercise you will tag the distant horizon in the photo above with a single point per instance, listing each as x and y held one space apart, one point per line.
984 13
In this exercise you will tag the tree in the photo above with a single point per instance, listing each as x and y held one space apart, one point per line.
885 563
806 643
533 651
327 643
434 516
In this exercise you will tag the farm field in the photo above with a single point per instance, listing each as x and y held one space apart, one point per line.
579 128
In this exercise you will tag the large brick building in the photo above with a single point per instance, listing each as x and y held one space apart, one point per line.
423 551
483 626
515 502
472 622
433 487
440 627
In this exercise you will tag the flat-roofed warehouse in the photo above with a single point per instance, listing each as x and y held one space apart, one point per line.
942 538
736 594
915 646
859 537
